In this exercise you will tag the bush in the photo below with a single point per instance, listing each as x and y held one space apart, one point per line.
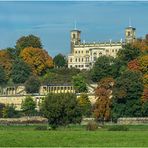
61 109
118 128
41 128
92 126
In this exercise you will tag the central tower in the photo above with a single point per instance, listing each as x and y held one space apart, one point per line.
130 34
75 38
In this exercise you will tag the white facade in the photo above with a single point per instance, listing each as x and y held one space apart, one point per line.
85 55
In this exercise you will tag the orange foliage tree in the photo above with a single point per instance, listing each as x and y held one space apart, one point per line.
134 65
145 91
6 61
141 44
102 107
38 59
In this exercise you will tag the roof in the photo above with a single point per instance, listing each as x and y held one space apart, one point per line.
130 27
75 30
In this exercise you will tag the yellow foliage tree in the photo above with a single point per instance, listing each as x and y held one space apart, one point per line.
38 59
141 44
6 61
143 61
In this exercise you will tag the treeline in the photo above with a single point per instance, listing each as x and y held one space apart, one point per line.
122 83
27 62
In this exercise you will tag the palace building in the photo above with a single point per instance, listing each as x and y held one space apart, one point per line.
84 55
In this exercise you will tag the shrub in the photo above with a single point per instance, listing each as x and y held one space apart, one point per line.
41 128
92 126
118 128
61 109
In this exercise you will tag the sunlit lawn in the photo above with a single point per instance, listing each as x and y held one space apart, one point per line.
16 136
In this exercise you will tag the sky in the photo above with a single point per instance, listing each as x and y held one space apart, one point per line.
52 21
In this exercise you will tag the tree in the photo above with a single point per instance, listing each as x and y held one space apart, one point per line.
2 76
28 106
142 45
143 62
9 111
126 95
32 85
13 52
102 68
59 61
145 109
2 106
61 109
134 65
38 60
84 104
28 41
6 62
102 107
20 71
128 53
79 83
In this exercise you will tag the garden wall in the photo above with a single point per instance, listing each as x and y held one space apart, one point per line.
23 120
134 121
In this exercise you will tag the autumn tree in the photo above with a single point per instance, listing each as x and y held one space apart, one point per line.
134 65
59 60
142 45
143 62
20 71
38 60
28 41
85 104
6 61
102 107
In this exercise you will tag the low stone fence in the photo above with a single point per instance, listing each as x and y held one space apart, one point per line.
133 121
23 120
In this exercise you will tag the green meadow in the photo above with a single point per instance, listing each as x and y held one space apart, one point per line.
76 136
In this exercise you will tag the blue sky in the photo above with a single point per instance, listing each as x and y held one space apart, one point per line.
52 21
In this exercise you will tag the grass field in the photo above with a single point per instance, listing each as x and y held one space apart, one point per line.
27 136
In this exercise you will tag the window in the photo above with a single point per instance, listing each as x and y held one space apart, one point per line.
129 33
95 58
107 50
112 50
70 60
100 53
76 59
74 36
79 59
82 51
75 51
82 59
